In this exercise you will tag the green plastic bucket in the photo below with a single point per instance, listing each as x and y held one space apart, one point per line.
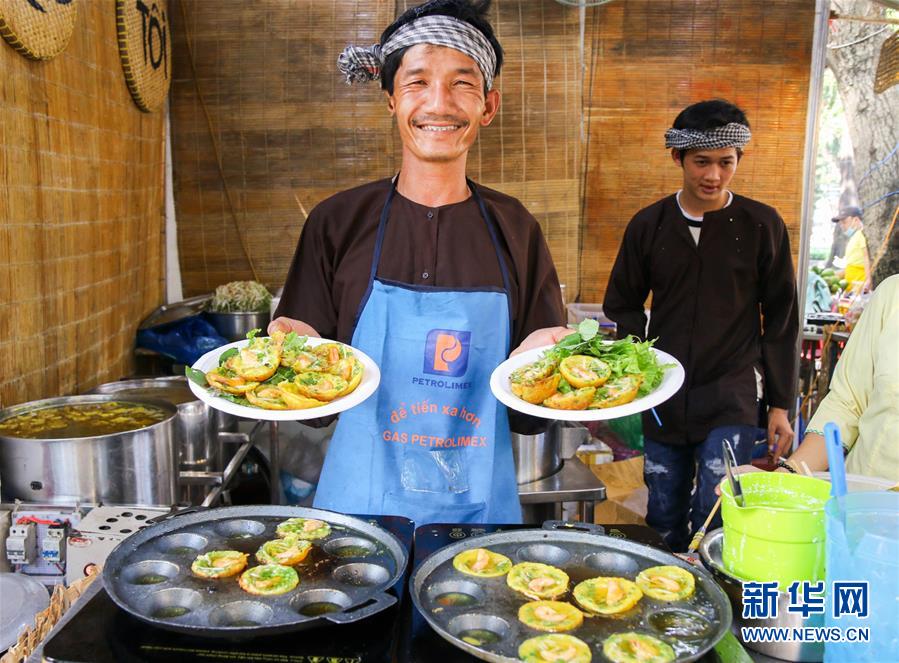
779 534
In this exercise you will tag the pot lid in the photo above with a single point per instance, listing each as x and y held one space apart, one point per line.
175 311
23 598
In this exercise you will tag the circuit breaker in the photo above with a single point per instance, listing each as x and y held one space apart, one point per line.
53 546
20 544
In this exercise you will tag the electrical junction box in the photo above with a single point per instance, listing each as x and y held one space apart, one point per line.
35 542
99 532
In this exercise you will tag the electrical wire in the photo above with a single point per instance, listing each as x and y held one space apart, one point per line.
877 166
859 41
881 199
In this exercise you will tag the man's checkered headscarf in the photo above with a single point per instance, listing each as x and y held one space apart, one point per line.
730 135
360 64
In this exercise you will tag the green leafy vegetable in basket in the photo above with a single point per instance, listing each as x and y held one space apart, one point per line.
240 297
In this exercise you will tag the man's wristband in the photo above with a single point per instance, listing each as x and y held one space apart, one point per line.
784 464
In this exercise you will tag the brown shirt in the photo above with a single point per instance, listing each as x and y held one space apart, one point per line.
446 246
708 301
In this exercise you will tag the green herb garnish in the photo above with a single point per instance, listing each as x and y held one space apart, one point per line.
627 356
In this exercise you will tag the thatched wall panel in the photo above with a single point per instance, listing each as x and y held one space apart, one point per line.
81 218
648 60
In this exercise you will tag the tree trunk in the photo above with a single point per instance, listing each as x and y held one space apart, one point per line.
873 121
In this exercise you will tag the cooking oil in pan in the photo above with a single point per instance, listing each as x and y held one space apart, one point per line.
679 624
479 637
171 611
455 598
319 608
352 551
150 579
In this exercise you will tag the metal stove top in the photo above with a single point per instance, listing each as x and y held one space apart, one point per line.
99 632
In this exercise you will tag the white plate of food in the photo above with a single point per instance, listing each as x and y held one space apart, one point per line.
537 376
312 378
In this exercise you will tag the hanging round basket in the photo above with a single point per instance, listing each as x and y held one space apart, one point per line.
145 48
38 29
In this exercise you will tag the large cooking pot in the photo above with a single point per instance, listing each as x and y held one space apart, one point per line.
540 454
197 425
236 325
133 467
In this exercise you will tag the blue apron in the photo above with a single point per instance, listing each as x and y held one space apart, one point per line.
432 443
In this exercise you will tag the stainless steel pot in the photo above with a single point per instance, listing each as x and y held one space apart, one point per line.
540 455
197 426
235 326
135 467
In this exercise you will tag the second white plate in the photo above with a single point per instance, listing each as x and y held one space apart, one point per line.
499 385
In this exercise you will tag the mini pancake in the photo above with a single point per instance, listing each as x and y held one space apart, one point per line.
619 391
267 397
537 391
217 564
304 528
229 381
578 399
637 648
257 361
321 386
538 370
538 581
350 369
554 648
666 583
292 347
482 563
286 552
331 353
552 616
269 579
607 596
584 371
291 395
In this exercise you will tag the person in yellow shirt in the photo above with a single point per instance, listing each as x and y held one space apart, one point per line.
857 263
863 400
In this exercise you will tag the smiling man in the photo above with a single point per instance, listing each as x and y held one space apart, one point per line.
724 304
431 275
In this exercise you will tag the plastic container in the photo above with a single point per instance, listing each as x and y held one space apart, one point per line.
779 534
863 545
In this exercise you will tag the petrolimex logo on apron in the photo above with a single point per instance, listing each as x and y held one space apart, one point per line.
446 352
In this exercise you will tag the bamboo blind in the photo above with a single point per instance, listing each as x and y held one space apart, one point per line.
81 194
648 60
276 130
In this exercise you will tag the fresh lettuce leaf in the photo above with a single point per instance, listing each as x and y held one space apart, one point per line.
627 356
196 376
293 342
226 355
